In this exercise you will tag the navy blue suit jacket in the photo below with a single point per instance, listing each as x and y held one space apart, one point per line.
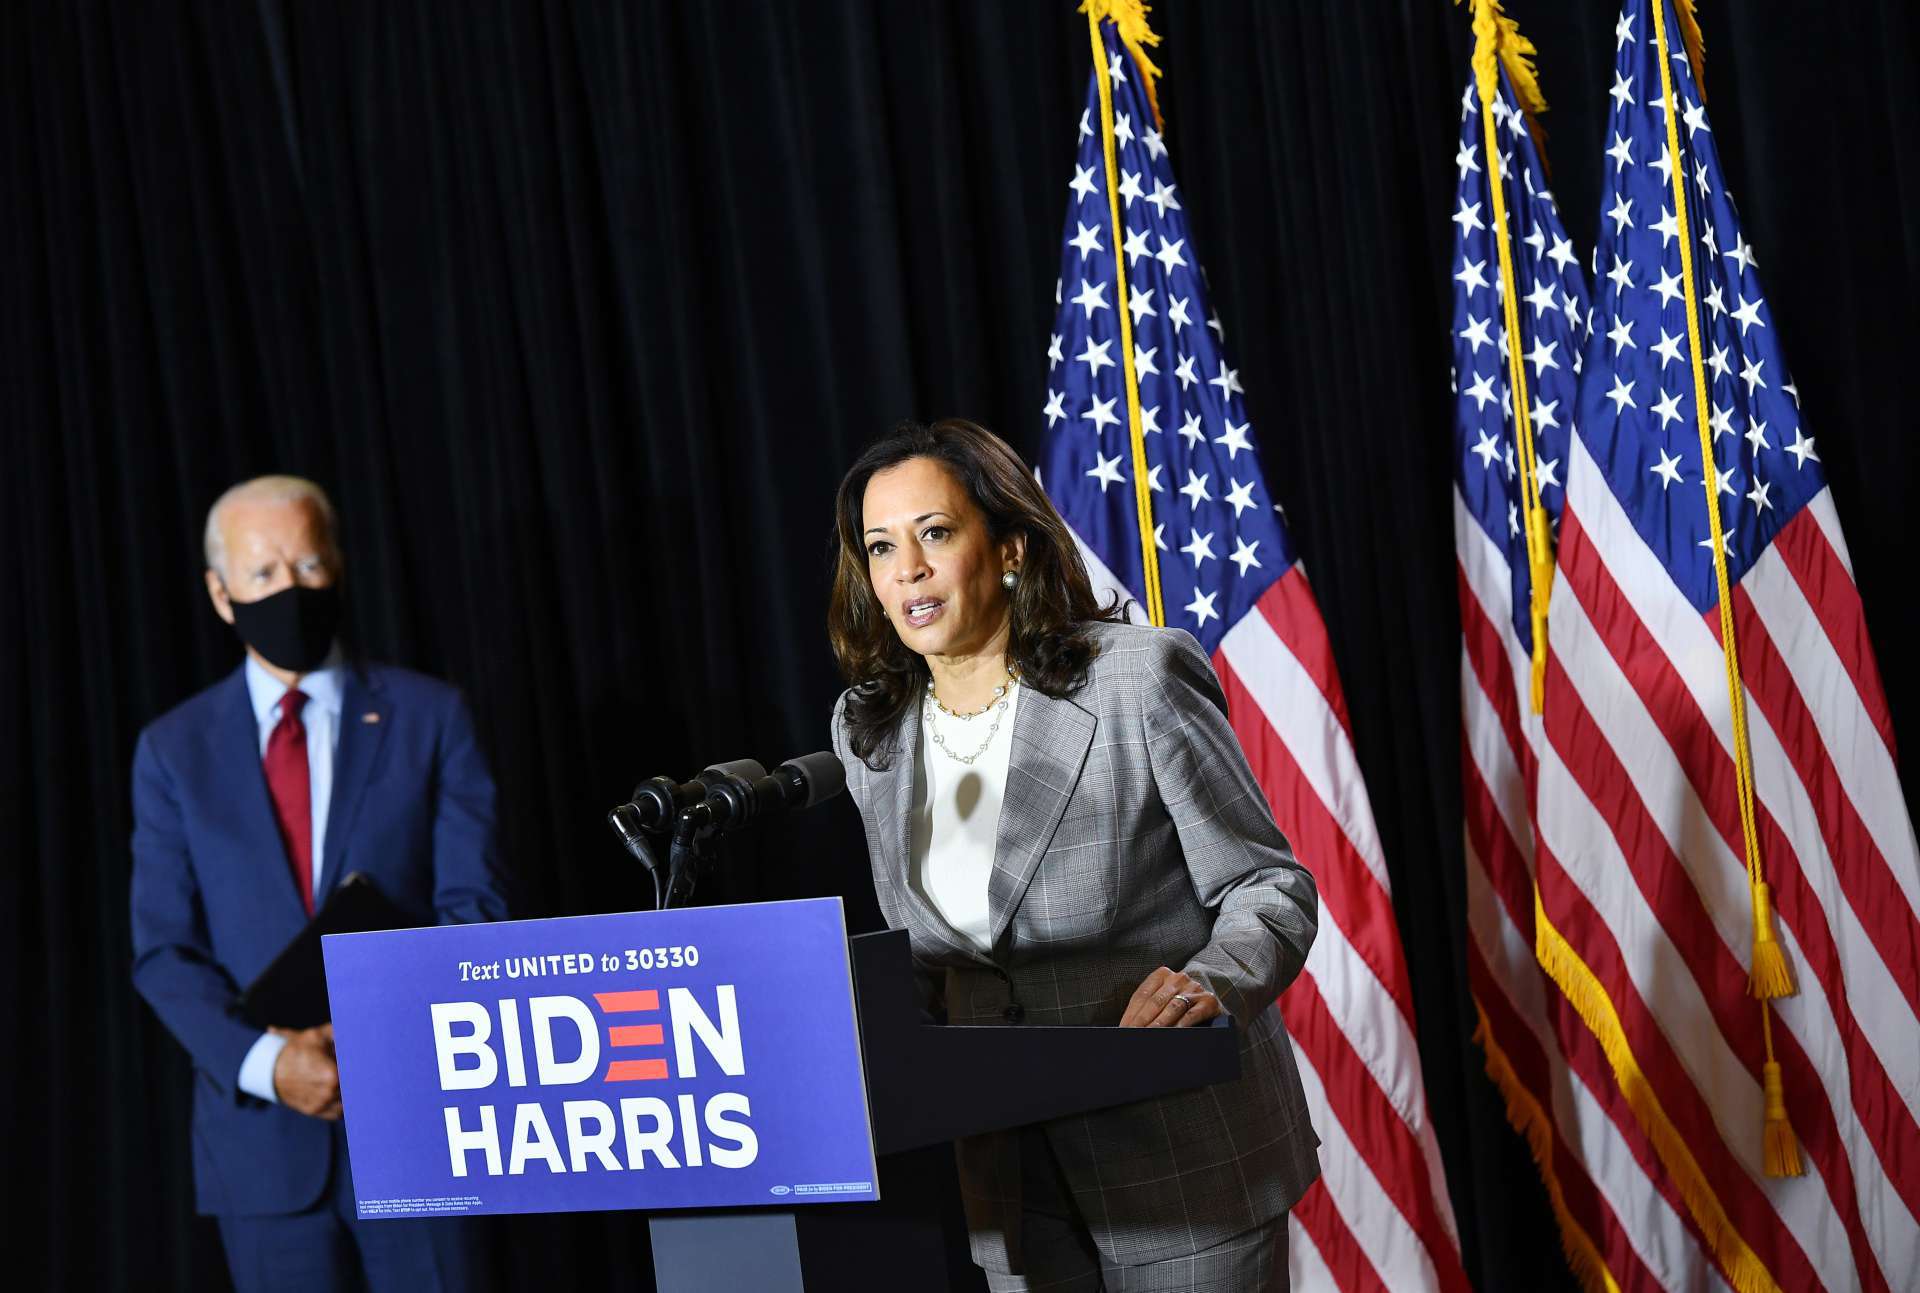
214 899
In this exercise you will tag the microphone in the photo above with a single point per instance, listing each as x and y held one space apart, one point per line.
654 805
658 800
803 782
734 800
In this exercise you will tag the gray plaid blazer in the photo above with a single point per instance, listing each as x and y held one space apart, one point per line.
1132 835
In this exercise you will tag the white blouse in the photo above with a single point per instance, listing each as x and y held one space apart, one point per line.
956 815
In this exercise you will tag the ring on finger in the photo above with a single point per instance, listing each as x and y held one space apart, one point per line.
1186 1002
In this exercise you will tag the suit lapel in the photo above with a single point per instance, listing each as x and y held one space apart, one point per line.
1051 738
353 761
893 798
235 745
899 778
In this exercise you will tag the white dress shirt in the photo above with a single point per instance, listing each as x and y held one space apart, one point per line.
321 715
956 815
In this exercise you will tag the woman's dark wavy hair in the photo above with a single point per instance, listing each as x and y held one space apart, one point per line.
1053 605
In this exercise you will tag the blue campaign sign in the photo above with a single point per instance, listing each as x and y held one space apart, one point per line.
696 1058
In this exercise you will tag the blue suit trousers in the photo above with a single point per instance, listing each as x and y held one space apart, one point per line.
327 1249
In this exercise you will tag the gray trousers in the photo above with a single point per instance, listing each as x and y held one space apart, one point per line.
1060 1257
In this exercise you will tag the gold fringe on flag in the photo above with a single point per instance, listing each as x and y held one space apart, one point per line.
1130 18
1743 1267
1696 48
1497 34
1526 1116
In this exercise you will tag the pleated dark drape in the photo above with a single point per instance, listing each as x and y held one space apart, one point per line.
580 309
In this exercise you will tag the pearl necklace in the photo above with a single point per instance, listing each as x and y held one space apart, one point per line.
998 705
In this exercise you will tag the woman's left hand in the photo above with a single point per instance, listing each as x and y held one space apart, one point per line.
1170 999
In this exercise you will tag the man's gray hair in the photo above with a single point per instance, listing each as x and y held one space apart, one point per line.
266 489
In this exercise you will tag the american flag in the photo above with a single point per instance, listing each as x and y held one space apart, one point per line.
1645 908
1380 1215
1614 1215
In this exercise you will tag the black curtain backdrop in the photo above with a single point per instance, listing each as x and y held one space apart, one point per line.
581 309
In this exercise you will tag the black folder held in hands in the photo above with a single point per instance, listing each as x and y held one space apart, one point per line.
292 991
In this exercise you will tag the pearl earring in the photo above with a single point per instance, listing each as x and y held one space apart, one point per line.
1009 580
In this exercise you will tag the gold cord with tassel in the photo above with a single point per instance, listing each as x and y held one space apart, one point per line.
1769 977
1130 16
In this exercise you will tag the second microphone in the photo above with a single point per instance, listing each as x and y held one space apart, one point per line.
734 800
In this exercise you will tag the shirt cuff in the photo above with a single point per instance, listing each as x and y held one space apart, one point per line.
256 1071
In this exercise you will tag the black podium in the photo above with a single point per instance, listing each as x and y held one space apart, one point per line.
927 1084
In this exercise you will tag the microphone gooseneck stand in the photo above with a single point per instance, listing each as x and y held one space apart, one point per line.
684 818
695 849
633 834
691 816
696 830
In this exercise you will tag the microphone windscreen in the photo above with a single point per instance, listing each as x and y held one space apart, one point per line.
748 770
823 774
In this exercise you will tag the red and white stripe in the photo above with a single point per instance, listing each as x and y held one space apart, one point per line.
1613 1196
1379 1218
1639 866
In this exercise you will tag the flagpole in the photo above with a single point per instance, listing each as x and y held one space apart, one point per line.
1769 977
1130 18
1496 39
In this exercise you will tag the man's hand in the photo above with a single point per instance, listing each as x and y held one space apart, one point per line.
1170 999
304 1076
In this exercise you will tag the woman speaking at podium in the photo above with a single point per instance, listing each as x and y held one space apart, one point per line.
1059 814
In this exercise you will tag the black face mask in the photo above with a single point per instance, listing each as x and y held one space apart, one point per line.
293 629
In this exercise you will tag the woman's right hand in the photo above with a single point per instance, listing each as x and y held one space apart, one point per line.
1169 999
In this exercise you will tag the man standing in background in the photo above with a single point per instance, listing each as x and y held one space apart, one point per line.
252 800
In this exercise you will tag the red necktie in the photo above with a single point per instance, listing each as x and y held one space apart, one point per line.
287 782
